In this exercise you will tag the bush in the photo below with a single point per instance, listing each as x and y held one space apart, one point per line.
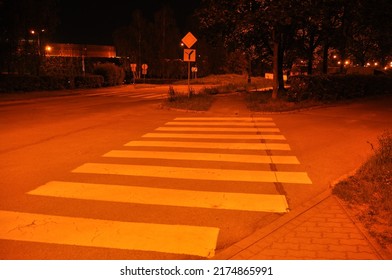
171 94
89 81
12 83
337 87
111 73
210 90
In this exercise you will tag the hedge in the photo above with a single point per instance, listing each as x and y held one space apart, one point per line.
338 87
25 83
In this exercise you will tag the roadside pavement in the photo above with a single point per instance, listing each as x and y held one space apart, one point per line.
321 228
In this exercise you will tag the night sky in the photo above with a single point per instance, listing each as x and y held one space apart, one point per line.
93 22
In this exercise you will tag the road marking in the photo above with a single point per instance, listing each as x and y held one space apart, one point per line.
154 97
210 145
176 239
203 157
219 129
251 124
216 136
223 119
167 197
194 173
140 95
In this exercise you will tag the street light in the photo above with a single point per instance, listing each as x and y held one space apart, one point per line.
48 49
33 32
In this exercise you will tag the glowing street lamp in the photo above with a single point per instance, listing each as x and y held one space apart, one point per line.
33 32
48 49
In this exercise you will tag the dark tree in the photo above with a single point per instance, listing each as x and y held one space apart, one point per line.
18 18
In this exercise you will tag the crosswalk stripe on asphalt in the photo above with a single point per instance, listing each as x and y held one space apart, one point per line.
168 197
251 124
223 119
176 239
216 136
210 145
204 157
220 129
194 173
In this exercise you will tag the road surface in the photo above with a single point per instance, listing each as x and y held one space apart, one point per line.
108 174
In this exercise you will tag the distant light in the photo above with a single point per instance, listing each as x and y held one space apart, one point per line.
48 48
339 62
32 31
335 56
347 62
368 64
375 63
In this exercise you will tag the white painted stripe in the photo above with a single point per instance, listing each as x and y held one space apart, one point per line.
194 173
223 119
216 136
203 157
176 239
166 197
147 94
210 145
251 124
154 97
219 129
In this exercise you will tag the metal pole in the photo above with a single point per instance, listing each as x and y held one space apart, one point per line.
189 77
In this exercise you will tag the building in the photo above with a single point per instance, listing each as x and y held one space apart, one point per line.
79 50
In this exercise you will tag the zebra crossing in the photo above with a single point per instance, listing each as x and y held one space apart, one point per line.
141 94
251 143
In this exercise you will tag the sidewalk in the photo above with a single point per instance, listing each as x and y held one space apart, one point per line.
319 229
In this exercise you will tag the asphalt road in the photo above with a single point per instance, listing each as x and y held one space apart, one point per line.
108 174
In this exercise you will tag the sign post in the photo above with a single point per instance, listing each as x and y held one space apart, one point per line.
133 69
189 54
144 71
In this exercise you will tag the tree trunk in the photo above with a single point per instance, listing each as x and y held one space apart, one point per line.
325 58
275 64
310 64
280 68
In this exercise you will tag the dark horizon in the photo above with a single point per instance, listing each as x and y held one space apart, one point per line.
91 22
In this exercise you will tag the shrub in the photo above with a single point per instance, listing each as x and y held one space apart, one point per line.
337 87
88 81
111 73
210 90
11 83
171 94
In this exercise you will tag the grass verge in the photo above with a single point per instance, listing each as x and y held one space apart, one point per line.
194 102
261 101
368 193
214 84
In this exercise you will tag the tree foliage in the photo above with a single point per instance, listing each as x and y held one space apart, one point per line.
288 30
17 19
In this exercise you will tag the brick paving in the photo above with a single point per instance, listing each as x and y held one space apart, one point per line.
322 231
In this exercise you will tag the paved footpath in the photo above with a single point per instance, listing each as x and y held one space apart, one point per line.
319 229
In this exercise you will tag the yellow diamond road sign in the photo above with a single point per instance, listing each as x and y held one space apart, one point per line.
189 40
